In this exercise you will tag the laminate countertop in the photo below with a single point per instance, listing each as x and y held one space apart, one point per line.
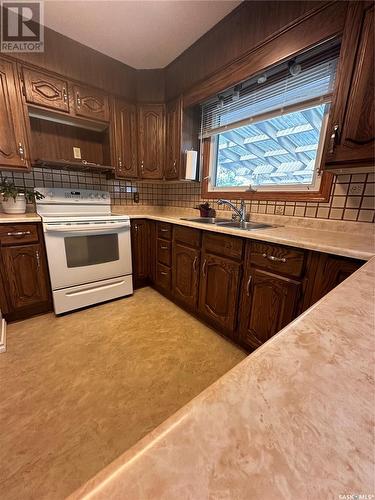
293 420
348 239
19 218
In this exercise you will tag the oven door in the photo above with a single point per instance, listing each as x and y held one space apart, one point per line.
86 252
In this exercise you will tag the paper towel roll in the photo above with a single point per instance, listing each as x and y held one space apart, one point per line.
191 165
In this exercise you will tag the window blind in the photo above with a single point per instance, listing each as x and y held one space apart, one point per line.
274 92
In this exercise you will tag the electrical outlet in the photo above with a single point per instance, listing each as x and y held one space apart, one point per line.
279 210
77 153
136 197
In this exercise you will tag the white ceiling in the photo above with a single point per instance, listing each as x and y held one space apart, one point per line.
144 33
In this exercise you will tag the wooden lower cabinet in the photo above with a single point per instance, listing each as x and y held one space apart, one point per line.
268 303
219 288
26 275
185 274
140 241
24 271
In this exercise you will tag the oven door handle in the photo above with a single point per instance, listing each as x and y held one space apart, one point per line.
89 228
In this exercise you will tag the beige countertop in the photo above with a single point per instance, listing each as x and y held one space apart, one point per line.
293 420
19 218
348 239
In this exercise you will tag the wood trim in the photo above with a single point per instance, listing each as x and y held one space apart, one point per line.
320 26
318 196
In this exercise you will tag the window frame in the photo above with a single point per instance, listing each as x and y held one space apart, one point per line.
322 194
317 177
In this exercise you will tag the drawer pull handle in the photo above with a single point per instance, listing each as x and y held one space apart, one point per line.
204 267
19 233
163 247
163 273
163 230
274 259
248 286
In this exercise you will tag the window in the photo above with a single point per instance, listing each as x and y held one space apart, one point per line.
267 133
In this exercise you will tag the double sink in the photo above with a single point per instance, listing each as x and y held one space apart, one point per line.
243 226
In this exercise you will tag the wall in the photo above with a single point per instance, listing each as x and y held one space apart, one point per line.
352 197
248 26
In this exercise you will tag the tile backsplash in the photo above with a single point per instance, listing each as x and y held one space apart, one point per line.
352 196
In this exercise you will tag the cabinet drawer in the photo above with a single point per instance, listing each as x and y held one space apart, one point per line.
164 230
278 258
163 276
220 244
164 252
18 233
187 235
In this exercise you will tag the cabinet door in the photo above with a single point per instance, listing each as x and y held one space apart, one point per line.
173 136
219 291
125 140
185 274
14 147
90 103
45 90
26 275
352 128
269 302
328 272
151 133
140 237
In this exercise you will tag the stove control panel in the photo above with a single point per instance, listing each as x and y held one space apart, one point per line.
70 196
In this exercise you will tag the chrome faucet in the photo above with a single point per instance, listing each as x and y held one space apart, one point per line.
241 212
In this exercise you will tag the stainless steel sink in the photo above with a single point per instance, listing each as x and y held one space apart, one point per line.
245 226
205 220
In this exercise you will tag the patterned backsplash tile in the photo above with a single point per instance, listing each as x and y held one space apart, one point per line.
352 196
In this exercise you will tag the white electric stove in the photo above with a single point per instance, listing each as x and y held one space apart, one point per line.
88 248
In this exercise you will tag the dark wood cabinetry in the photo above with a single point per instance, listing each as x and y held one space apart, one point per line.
219 290
151 136
45 90
173 139
24 270
352 124
140 240
163 257
90 103
186 266
325 273
14 146
124 123
269 302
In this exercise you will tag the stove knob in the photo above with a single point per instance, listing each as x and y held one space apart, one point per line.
50 194
97 195
91 195
104 196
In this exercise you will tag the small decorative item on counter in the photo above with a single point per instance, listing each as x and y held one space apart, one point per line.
14 198
206 210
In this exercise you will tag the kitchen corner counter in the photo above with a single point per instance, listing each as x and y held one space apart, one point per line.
345 241
293 420
19 218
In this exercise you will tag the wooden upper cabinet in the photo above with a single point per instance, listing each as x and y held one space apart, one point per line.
268 303
90 103
351 132
45 90
124 122
151 136
218 294
14 127
173 139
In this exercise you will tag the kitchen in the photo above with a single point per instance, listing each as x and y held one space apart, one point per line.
187 298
